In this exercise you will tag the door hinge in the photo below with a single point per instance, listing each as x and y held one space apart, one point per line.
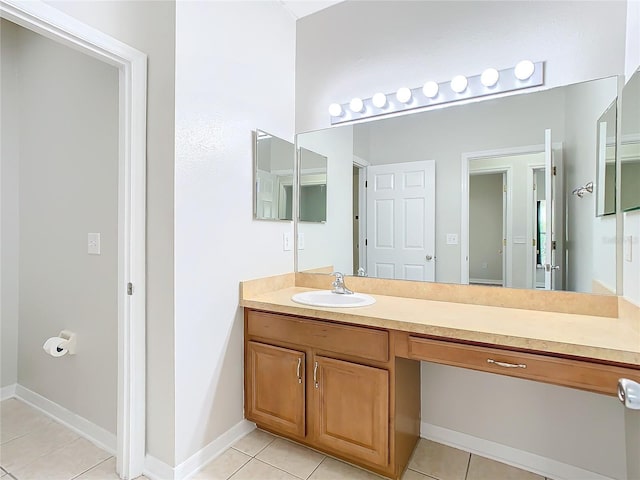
129 288
366 184
533 242
555 171
504 242
366 242
504 188
534 187
553 245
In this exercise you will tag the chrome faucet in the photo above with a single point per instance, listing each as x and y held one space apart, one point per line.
339 286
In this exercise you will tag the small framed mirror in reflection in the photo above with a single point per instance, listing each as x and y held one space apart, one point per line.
274 160
630 145
606 162
313 186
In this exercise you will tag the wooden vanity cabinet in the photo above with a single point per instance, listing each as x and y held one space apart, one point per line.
275 387
332 387
352 409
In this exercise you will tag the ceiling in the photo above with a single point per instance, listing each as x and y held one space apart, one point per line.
302 8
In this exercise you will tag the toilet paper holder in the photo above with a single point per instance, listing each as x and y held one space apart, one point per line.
70 344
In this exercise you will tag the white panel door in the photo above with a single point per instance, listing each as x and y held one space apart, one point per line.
401 221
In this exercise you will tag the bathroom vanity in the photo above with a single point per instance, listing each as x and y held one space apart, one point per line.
346 381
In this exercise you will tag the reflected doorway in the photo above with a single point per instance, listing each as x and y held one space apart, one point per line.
487 228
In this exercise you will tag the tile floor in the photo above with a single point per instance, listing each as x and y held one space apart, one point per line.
34 447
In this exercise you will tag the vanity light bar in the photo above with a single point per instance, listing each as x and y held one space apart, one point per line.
524 75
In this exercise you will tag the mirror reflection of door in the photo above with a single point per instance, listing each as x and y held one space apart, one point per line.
539 218
401 221
487 224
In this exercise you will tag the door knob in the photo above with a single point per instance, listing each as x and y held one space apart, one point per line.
429 258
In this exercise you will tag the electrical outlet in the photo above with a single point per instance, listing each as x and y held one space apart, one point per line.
93 243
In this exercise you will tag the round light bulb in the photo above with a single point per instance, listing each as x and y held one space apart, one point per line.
356 105
490 77
459 83
379 100
403 95
335 110
524 69
430 89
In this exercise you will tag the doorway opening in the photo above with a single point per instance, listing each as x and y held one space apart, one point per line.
528 218
131 211
487 227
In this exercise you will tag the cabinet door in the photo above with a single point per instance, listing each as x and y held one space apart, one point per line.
275 388
352 409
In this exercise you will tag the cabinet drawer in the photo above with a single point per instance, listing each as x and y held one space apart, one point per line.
583 375
357 341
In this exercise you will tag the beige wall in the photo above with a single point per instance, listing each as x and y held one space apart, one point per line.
67 184
9 228
149 26
486 252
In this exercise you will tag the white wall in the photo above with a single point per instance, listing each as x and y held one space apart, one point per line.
330 243
149 26
631 270
383 45
9 228
587 261
234 73
67 184
386 44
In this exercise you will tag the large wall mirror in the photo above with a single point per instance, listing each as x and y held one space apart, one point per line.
274 160
462 194
630 145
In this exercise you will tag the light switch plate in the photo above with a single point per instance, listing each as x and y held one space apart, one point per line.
452 238
628 242
300 241
286 241
93 243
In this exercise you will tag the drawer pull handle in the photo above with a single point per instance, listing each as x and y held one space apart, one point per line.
506 365
298 370
315 374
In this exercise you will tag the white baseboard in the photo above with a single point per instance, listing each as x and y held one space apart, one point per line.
7 392
511 456
83 427
158 470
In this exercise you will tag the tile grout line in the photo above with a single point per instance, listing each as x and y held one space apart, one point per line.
92 467
58 448
240 467
466 473
269 465
317 467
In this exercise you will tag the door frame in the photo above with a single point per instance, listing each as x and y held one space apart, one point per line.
464 204
52 23
362 165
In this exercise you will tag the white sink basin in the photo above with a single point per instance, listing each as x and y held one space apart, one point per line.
326 298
